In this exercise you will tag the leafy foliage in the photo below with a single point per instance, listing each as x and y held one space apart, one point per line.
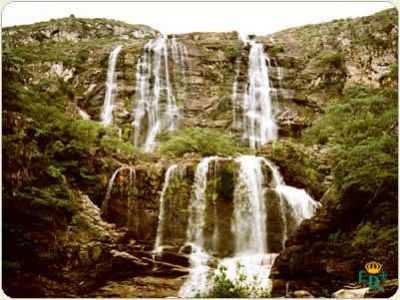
331 58
232 52
44 143
224 287
206 142
361 131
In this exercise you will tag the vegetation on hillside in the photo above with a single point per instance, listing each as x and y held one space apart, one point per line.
361 132
206 142
49 154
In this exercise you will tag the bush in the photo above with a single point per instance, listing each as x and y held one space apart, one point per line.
331 58
223 287
232 52
361 133
45 145
205 142
374 242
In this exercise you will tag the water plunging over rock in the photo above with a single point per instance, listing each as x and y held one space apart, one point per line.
198 277
263 209
258 123
179 56
111 88
105 204
161 217
155 98
249 226
235 97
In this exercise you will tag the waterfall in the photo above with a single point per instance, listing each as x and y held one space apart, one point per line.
111 88
235 94
250 223
198 204
249 207
179 56
252 256
301 202
258 120
105 204
199 273
293 201
154 94
258 123
161 220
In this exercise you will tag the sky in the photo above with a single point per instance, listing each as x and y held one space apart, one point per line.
174 17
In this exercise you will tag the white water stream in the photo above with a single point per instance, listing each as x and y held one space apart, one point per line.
161 216
155 106
251 255
111 88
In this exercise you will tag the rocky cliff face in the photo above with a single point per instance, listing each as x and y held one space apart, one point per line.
55 70
309 66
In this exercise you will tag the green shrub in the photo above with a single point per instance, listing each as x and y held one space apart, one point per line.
223 287
365 234
112 144
205 142
360 131
373 241
52 196
232 52
330 58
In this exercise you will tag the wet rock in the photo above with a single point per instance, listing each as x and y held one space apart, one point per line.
174 258
186 249
145 286
302 294
123 260
350 293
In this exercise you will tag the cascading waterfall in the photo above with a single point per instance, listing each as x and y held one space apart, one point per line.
301 202
179 56
161 220
198 204
258 120
199 273
111 88
250 212
105 204
293 201
259 197
154 94
235 96
249 223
